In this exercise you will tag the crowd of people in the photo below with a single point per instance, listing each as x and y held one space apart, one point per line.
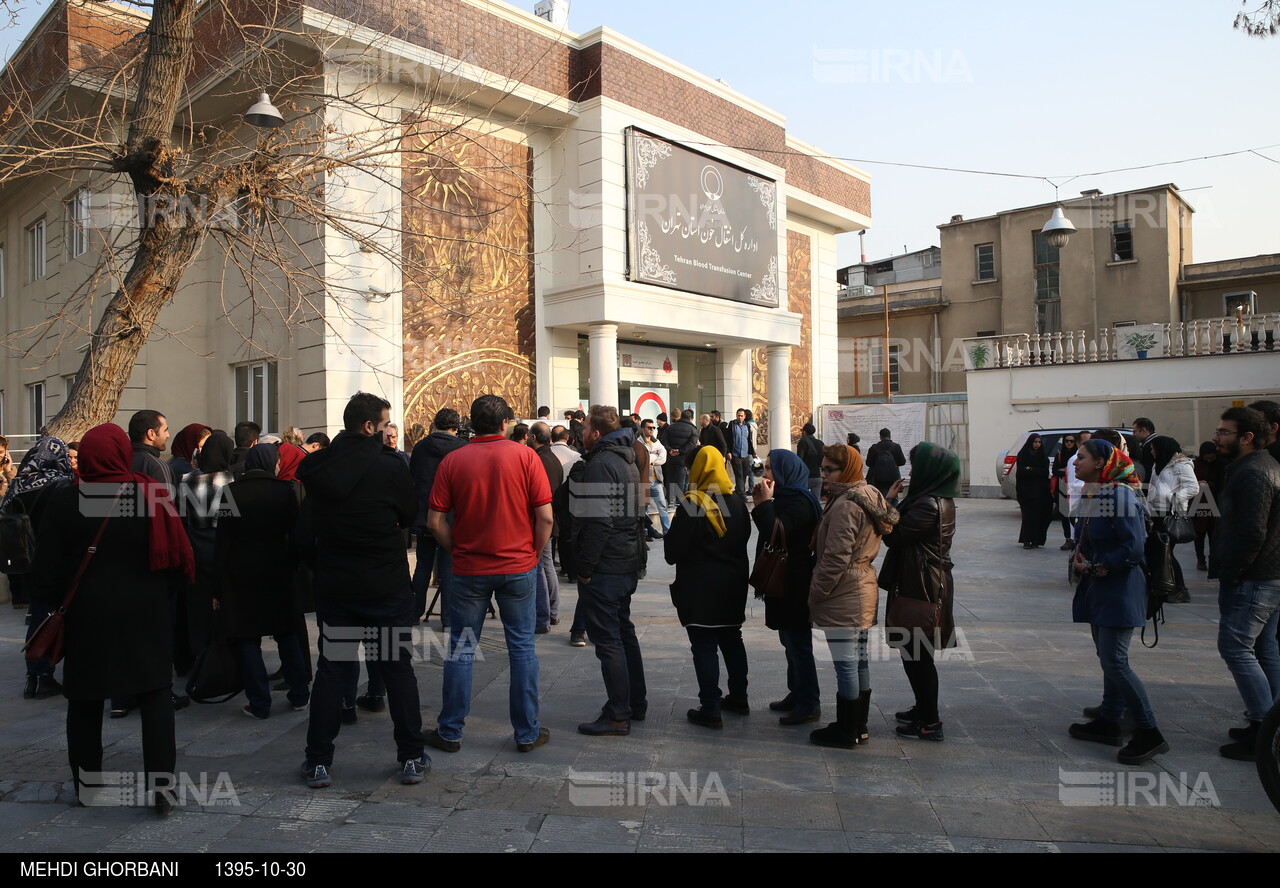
235 538
1122 516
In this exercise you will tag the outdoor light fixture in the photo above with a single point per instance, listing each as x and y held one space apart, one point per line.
263 114
1058 230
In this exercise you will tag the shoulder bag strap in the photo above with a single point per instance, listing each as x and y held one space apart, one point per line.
778 531
88 555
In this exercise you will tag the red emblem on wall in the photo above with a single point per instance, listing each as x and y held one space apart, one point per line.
666 365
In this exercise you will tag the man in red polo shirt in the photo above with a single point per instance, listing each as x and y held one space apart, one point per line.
498 493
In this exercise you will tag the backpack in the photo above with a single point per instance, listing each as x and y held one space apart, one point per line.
17 542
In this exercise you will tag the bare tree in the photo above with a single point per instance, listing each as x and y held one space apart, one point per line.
1263 21
199 182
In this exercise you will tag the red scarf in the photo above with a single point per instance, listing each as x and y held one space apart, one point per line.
291 456
105 458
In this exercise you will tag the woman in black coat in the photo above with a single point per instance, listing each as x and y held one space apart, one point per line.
707 543
45 468
1034 497
118 634
918 566
784 495
203 494
256 558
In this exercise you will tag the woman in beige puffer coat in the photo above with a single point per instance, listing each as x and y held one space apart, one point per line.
844 595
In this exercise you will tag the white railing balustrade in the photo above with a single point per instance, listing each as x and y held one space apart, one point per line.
1206 336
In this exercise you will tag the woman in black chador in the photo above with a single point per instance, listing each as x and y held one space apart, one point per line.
1034 497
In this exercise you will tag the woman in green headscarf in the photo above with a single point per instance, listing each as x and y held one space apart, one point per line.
918 565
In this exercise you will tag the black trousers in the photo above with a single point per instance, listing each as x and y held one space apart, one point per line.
159 747
923 676
706 644
342 629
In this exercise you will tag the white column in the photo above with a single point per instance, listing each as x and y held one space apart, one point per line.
779 358
603 343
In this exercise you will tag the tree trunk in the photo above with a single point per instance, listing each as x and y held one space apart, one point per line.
169 241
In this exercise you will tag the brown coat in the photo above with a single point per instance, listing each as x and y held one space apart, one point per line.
843 593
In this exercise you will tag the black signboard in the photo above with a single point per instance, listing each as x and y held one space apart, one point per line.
699 224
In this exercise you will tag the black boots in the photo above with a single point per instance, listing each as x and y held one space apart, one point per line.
1244 745
860 720
842 734
1147 743
1099 731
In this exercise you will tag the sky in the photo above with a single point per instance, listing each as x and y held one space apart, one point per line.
1057 91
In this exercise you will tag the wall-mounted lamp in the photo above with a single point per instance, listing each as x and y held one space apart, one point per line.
263 114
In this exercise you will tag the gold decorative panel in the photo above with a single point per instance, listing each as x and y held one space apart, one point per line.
468 288
800 301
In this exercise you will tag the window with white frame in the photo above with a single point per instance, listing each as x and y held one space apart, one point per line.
984 262
36 250
35 393
868 357
257 393
78 223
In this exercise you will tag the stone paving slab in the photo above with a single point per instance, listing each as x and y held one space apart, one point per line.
1021 677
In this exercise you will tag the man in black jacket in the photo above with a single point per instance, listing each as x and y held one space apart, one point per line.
246 436
148 433
883 459
809 449
682 439
604 500
1245 560
427 456
359 496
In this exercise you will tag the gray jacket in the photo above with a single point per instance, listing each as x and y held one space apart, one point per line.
1246 540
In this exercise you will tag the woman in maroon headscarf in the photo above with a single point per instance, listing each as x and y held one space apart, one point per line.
118 637
184 447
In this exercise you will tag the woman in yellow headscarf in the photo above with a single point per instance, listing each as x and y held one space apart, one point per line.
708 545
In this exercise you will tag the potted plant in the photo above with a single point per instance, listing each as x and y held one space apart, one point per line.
1141 343
978 354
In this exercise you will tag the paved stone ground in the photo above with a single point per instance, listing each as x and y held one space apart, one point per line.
994 785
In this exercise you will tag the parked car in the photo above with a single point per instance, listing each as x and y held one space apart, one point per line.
1052 439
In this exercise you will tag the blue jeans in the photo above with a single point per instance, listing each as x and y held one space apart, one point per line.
1121 687
605 607
658 500
257 688
1247 642
851 661
802 672
467 607
548 587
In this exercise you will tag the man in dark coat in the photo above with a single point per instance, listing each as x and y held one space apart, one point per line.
607 549
359 496
548 605
809 449
149 433
426 458
246 436
883 459
682 439
1245 560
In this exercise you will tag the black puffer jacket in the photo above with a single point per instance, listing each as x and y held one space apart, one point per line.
682 436
427 456
359 496
605 502
1246 539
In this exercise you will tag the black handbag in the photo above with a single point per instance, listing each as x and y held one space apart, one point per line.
216 676
17 541
769 575
1179 528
